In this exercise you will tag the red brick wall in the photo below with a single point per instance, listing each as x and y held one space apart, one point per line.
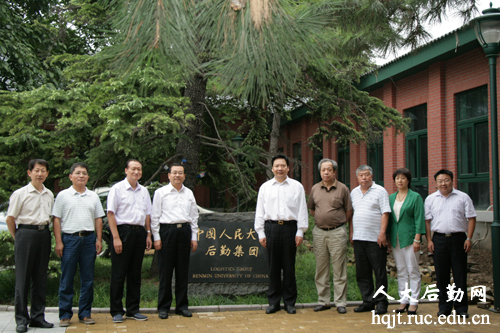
436 86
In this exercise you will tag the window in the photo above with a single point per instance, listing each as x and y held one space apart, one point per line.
317 156
344 162
416 149
297 156
375 156
473 145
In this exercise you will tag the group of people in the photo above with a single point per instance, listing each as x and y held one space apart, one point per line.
77 214
376 222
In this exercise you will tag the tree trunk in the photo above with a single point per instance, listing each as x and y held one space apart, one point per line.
188 147
273 142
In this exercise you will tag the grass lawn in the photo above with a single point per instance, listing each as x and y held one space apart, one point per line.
305 271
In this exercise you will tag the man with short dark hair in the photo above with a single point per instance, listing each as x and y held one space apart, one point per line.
29 209
129 210
174 223
78 231
450 215
368 234
330 204
280 221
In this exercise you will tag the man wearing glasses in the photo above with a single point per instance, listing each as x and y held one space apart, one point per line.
78 231
450 215
174 223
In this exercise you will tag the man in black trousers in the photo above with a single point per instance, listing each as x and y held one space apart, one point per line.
450 215
129 211
280 221
29 209
174 223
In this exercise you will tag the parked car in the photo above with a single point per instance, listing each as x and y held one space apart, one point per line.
3 223
102 192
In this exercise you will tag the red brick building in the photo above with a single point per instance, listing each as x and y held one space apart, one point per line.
443 87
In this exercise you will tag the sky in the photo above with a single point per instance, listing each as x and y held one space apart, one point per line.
448 25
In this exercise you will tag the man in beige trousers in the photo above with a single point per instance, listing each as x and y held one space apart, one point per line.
330 204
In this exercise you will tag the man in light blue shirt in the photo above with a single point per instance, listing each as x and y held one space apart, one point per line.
78 231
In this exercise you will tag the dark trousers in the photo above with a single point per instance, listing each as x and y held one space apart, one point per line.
127 265
32 251
281 250
174 255
371 259
449 253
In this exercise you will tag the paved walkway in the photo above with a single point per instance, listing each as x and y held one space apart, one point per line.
243 320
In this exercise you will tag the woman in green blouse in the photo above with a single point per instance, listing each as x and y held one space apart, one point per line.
406 226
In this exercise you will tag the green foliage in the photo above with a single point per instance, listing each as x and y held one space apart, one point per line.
32 32
98 118
341 111
6 249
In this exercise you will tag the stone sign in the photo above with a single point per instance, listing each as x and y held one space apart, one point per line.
228 250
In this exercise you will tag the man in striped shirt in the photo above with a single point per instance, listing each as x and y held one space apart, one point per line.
78 231
367 232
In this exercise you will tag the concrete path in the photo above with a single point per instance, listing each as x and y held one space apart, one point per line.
8 323
241 319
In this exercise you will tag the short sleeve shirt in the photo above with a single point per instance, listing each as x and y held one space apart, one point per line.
329 205
368 210
129 206
449 214
28 206
76 210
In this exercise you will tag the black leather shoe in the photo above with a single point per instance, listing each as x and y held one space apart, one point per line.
462 313
41 324
21 328
290 309
341 309
403 309
163 314
443 313
184 313
272 309
363 308
381 309
322 308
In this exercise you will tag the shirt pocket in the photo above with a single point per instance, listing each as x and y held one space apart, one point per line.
139 203
337 203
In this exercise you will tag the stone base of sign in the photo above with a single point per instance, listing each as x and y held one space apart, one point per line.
204 289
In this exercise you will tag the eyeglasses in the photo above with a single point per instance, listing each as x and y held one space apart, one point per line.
177 173
444 181
78 173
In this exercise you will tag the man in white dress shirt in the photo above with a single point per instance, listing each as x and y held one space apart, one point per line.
280 221
129 212
368 234
450 215
174 223
78 231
